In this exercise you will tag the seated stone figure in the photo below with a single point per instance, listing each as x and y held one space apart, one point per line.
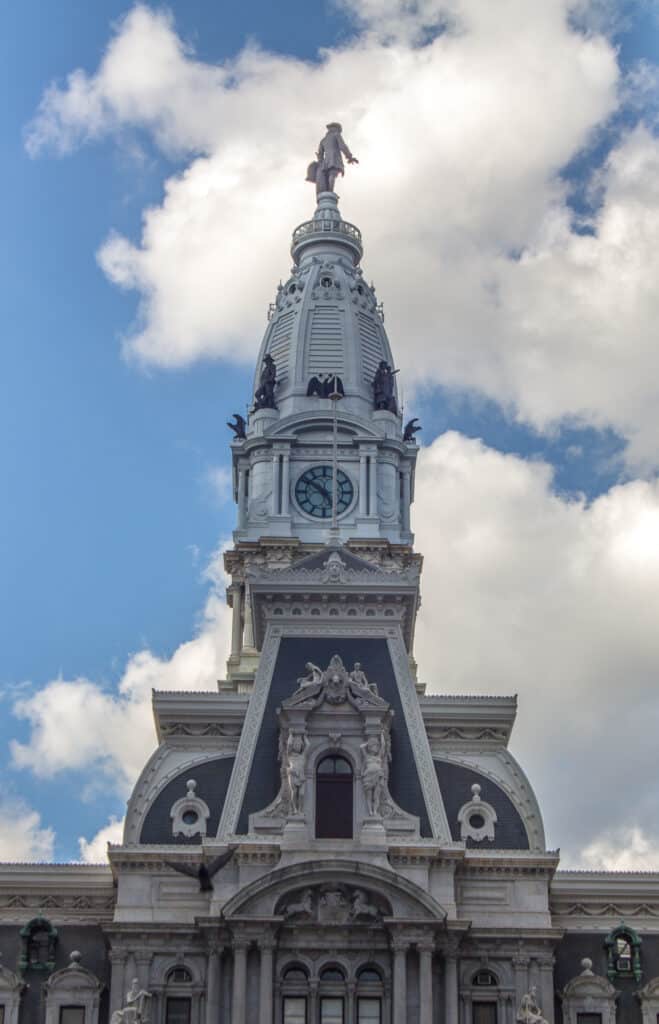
136 1010
529 1011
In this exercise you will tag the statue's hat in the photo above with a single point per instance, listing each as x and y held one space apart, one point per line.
334 124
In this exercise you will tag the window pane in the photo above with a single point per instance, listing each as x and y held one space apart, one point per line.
485 1013
589 1018
368 1011
331 974
369 974
2 1014
178 1011
331 1011
72 1015
295 1010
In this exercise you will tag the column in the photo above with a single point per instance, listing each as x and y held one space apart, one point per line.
426 1015
238 1008
313 1001
118 985
400 980
276 465
242 497
143 964
351 1002
363 484
248 633
285 484
521 965
546 988
266 945
451 983
237 620
373 485
406 499
213 986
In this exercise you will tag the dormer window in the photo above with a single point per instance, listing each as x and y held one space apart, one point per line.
39 940
623 948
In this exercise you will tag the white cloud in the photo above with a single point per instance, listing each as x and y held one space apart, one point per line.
94 850
468 234
22 836
626 849
527 592
78 723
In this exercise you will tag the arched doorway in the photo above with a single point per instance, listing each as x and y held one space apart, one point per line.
334 798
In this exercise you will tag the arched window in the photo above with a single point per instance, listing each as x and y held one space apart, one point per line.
178 1000
38 942
334 798
295 989
370 993
484 979
623 948
485 1002
332 994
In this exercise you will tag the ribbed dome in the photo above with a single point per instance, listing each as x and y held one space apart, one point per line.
325 319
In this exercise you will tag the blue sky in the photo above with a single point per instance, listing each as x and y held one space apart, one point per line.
110 462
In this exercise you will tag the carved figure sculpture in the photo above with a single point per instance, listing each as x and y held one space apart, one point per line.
361 907
374 775
296 756
383 387
314 675
328 164
304 908
136 1010
411 429
265 393
238 427
359 678
529 1012
202 872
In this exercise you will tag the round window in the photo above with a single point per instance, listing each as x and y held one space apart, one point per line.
190 817
476 820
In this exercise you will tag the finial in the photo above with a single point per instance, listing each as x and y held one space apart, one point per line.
476 791
191 785
75 957
587 965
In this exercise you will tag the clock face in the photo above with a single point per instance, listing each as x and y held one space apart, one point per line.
313 492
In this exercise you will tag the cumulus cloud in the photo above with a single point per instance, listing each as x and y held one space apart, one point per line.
625 849
553 599
22 836
462 138
94 850
79 723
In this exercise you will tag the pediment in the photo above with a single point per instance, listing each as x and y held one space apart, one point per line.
295 893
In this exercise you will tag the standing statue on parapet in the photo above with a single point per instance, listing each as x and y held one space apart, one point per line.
383 388
264 397
327 166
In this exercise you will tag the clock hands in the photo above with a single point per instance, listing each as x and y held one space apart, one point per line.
322 490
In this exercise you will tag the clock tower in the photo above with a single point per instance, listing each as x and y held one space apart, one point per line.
321 458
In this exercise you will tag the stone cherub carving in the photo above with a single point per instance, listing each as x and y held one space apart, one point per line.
374 775
136 1010
529 1012
296 756
327 166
